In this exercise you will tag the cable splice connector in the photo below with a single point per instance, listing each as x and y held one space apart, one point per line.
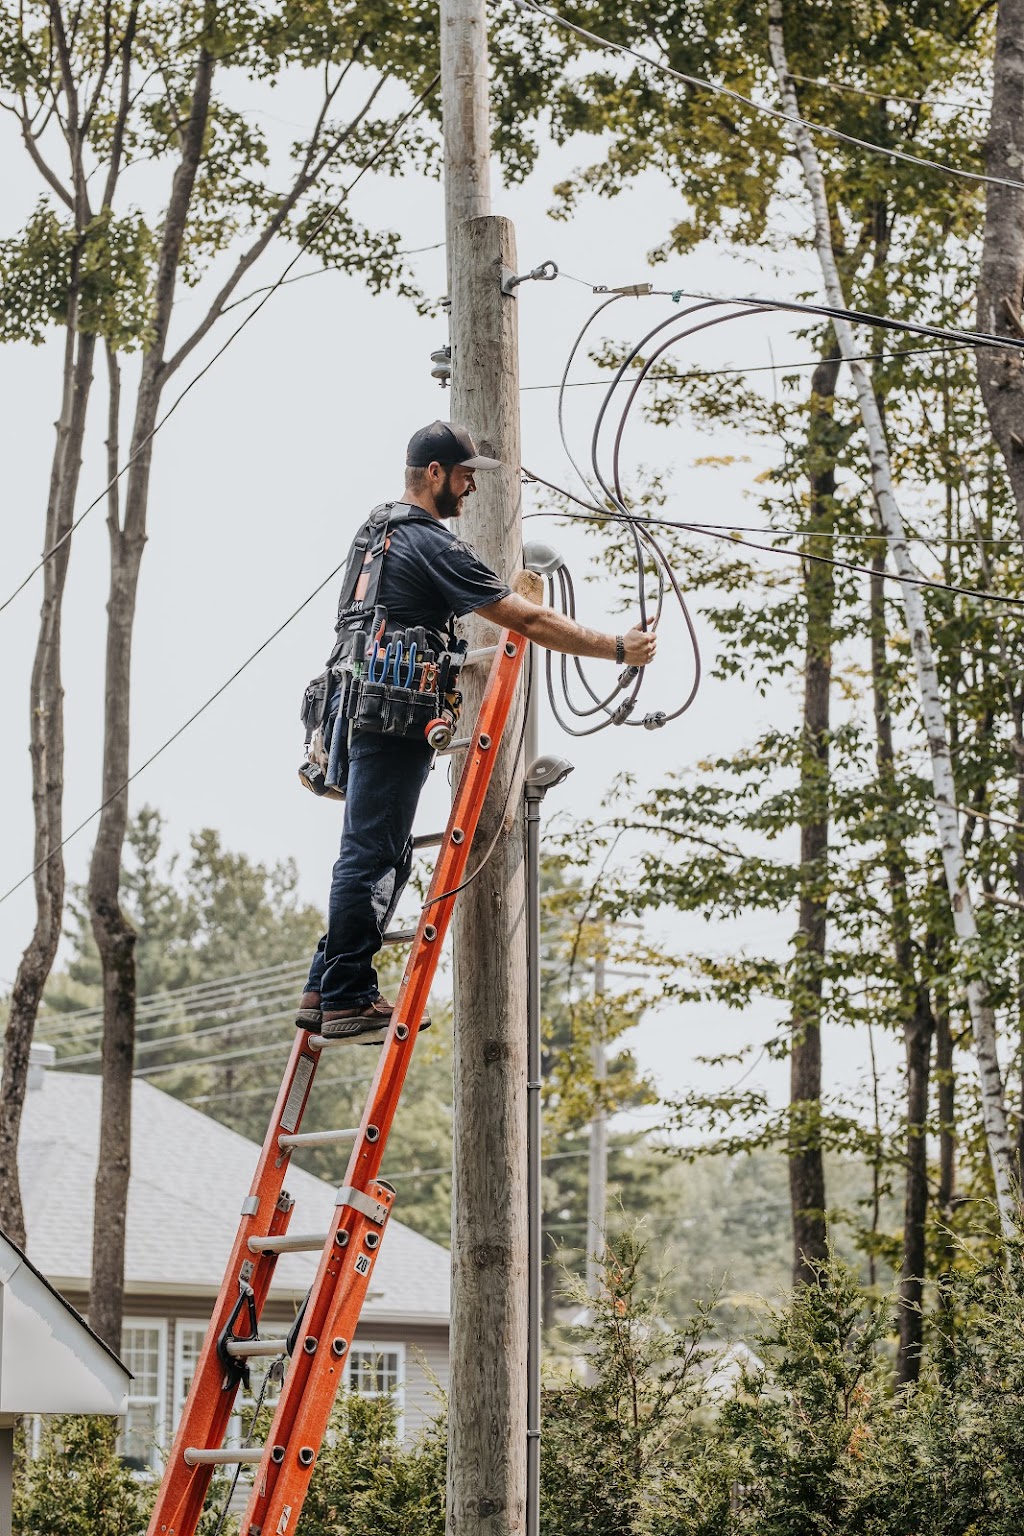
627 675
655 720
621 715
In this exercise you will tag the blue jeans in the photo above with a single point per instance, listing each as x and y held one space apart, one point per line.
386 775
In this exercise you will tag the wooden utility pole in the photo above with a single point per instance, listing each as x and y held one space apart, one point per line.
487 1413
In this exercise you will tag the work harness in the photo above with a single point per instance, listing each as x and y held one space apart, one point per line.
379 678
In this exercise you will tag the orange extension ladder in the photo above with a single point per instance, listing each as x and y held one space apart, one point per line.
321 1342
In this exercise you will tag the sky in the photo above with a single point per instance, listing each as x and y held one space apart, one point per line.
259 481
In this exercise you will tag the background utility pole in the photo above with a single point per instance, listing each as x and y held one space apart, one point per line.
597 1157
487 1417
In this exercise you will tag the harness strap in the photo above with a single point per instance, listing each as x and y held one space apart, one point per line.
361 583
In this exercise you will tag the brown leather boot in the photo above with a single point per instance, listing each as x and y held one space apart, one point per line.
370 1018
308 1015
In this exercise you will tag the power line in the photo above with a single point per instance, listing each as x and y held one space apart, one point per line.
272 289
776 113
721 373
174 995
416 250
909 101
266 1016
172 738
600 515
854 316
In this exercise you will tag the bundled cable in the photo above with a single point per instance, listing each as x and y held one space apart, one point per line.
597 711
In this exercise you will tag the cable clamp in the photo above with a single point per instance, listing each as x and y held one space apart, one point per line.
545 273
631 290
625 709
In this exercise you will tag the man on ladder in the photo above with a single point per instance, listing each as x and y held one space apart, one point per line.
407 580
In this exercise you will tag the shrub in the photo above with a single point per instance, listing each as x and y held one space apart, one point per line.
78 1484
627 1452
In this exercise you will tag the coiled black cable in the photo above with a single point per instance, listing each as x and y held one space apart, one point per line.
648 550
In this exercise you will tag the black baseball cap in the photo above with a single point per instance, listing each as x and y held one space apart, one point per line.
443 442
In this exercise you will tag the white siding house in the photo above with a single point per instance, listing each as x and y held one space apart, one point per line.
189 1176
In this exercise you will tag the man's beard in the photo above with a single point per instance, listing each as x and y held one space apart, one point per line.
446 503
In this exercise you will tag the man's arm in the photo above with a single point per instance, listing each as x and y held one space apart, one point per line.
558 633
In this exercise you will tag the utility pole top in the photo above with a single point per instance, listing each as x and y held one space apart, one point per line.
465 115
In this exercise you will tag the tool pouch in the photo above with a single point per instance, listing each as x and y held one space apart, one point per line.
384 709
316 717
316 700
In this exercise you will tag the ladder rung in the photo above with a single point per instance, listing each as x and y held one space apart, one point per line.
429 840
400 936
482 653
317 1138
290 1242
240 1349
456 746
247 1456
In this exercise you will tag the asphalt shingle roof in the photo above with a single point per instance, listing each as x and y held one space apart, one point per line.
189 1177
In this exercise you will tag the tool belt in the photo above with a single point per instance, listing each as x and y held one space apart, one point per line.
379 683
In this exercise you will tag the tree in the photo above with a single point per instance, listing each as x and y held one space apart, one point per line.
892 525
77 87
806 1162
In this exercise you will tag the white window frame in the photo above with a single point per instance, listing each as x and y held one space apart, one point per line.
382 1347
180 1326
159 1325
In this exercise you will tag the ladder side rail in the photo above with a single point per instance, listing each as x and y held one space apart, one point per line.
336 1298
211 1398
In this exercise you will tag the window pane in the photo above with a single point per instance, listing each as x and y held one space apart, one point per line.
190 1342
140 1351
138 1441
372 1371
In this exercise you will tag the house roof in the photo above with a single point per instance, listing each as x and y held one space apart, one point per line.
50 1359
189 1177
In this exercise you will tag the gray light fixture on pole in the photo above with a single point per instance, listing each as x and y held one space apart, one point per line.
542 774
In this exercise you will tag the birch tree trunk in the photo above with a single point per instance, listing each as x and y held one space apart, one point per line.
806 1164
1001 280
997 1132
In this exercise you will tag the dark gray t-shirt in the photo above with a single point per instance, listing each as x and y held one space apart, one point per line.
430 576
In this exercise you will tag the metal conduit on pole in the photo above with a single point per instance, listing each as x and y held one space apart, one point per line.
542 774
597 1155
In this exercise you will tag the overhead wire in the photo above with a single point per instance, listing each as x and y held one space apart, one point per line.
645 542
602 515
824 130
174 736
908 101
173 997
723 373
615 509
271 290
